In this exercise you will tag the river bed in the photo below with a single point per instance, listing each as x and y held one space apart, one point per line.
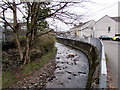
71 68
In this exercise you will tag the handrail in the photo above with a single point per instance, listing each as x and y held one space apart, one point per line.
103 72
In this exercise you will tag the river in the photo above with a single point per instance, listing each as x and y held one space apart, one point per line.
71 68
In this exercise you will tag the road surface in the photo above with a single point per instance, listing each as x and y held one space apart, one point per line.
71 72
111 49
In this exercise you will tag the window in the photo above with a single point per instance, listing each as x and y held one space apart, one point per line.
109 29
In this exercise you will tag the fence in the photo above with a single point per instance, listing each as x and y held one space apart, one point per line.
102 60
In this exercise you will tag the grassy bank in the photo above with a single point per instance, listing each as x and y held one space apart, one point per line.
9 78
42 52
29 68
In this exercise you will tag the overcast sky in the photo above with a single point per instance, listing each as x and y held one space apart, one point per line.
106 7
96 11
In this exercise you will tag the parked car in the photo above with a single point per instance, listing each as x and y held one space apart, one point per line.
105 37
116 38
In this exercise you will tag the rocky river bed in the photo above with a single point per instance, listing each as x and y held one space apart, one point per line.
71 68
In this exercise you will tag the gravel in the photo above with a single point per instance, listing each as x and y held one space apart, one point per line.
39 78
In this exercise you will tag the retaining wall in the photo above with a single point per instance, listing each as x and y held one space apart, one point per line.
91 52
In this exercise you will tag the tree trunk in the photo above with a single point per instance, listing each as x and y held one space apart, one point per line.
16 27
19 47
27 52
27 48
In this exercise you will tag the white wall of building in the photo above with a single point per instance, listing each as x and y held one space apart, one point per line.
87 29
117 27
75 31
102 26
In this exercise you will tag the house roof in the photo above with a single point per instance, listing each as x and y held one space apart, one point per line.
117 19
80 25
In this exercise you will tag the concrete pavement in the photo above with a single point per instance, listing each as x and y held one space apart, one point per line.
111 49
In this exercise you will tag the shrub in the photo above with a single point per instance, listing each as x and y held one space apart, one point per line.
42 45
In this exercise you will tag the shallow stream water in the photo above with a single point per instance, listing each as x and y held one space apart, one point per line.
71 68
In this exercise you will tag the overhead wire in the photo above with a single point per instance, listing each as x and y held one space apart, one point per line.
98 11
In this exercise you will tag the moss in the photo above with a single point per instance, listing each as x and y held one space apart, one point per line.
106 57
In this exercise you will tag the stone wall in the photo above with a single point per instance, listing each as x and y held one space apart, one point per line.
90 51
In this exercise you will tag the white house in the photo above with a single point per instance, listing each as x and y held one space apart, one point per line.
107 26
83 29
75 30
88 29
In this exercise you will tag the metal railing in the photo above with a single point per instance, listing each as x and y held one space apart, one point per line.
102 60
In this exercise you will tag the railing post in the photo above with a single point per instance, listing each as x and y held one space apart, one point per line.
103 71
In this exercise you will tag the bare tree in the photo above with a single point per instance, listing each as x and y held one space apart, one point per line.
38 12
12 6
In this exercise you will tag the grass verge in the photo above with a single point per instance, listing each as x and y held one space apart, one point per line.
28 69
106 57
9 78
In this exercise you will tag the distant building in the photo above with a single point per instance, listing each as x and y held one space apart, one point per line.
21 26
88 29
2 34
9 34
104 26
75 31
107 26
83 29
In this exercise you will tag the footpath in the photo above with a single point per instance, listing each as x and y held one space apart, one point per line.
111 50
